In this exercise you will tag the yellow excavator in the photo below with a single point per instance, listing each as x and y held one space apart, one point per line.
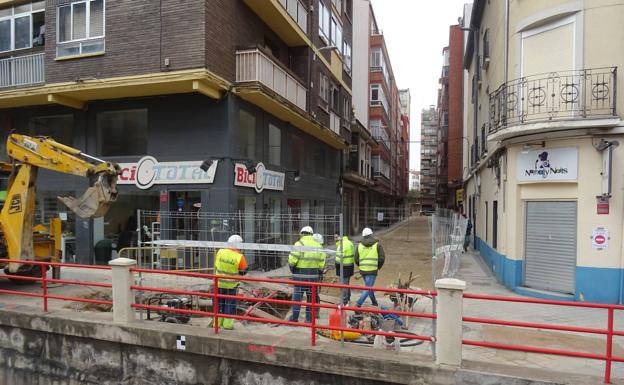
19 240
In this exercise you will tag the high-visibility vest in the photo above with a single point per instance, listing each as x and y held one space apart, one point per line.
307 259
226 263
369 257
349 251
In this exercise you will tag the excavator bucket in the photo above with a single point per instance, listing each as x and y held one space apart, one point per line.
94 202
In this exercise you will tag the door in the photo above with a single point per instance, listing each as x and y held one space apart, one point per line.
550 246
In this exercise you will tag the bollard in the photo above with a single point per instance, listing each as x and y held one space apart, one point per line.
123 299
449 329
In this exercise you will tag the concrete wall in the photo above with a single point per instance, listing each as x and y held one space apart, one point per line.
87 349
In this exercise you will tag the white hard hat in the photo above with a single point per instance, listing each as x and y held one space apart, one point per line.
366 232
235 239
306 229
318 238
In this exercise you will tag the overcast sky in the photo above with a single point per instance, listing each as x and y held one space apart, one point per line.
415 33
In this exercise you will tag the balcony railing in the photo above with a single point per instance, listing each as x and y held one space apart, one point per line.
587 93
22 70
255 66
297 11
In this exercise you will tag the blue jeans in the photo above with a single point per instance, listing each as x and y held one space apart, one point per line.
227 305
369 281
345 293
300 290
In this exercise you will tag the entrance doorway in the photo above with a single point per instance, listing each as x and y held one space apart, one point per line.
550 246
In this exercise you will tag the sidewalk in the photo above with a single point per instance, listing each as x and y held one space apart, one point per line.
481 281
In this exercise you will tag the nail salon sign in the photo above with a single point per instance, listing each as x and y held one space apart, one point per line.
148 172
548 164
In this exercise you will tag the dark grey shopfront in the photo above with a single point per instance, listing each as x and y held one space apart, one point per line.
179 128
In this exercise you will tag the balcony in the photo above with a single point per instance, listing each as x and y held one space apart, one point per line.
297 12
288 18
254 66
570 99
22 71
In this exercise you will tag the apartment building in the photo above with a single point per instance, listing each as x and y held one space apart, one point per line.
378 166
428 158
385 125
358 175
543 180
160 87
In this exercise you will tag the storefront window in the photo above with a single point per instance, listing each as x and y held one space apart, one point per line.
319 223
247 123
121 133
120 222
247 210
275 145
58 127
276 216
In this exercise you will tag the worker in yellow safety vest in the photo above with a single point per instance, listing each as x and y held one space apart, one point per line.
229 262
345 256
370 257
306 266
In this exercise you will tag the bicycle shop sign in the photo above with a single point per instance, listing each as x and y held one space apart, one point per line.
262 179
148 172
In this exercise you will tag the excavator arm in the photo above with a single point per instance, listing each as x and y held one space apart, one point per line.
28 154
43 152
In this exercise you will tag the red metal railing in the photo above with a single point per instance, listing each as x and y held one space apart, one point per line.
313 303
609 332
43 278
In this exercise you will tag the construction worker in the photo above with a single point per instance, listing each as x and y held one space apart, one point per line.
305 266
229 262
347 259
370 257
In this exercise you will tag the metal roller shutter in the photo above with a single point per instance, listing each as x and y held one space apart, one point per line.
550 246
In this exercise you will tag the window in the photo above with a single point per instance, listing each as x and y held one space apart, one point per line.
80 28
336 34
22 26
346 52
377 97
335 98
376 59
121 133
247 140
338 4
324 88
275 145
58 127
324 20
346 107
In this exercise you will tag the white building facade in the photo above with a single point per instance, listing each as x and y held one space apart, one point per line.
544 173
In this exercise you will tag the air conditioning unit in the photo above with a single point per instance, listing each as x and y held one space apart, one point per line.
353 148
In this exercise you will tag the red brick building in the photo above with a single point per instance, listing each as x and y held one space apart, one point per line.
450 128
455 114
